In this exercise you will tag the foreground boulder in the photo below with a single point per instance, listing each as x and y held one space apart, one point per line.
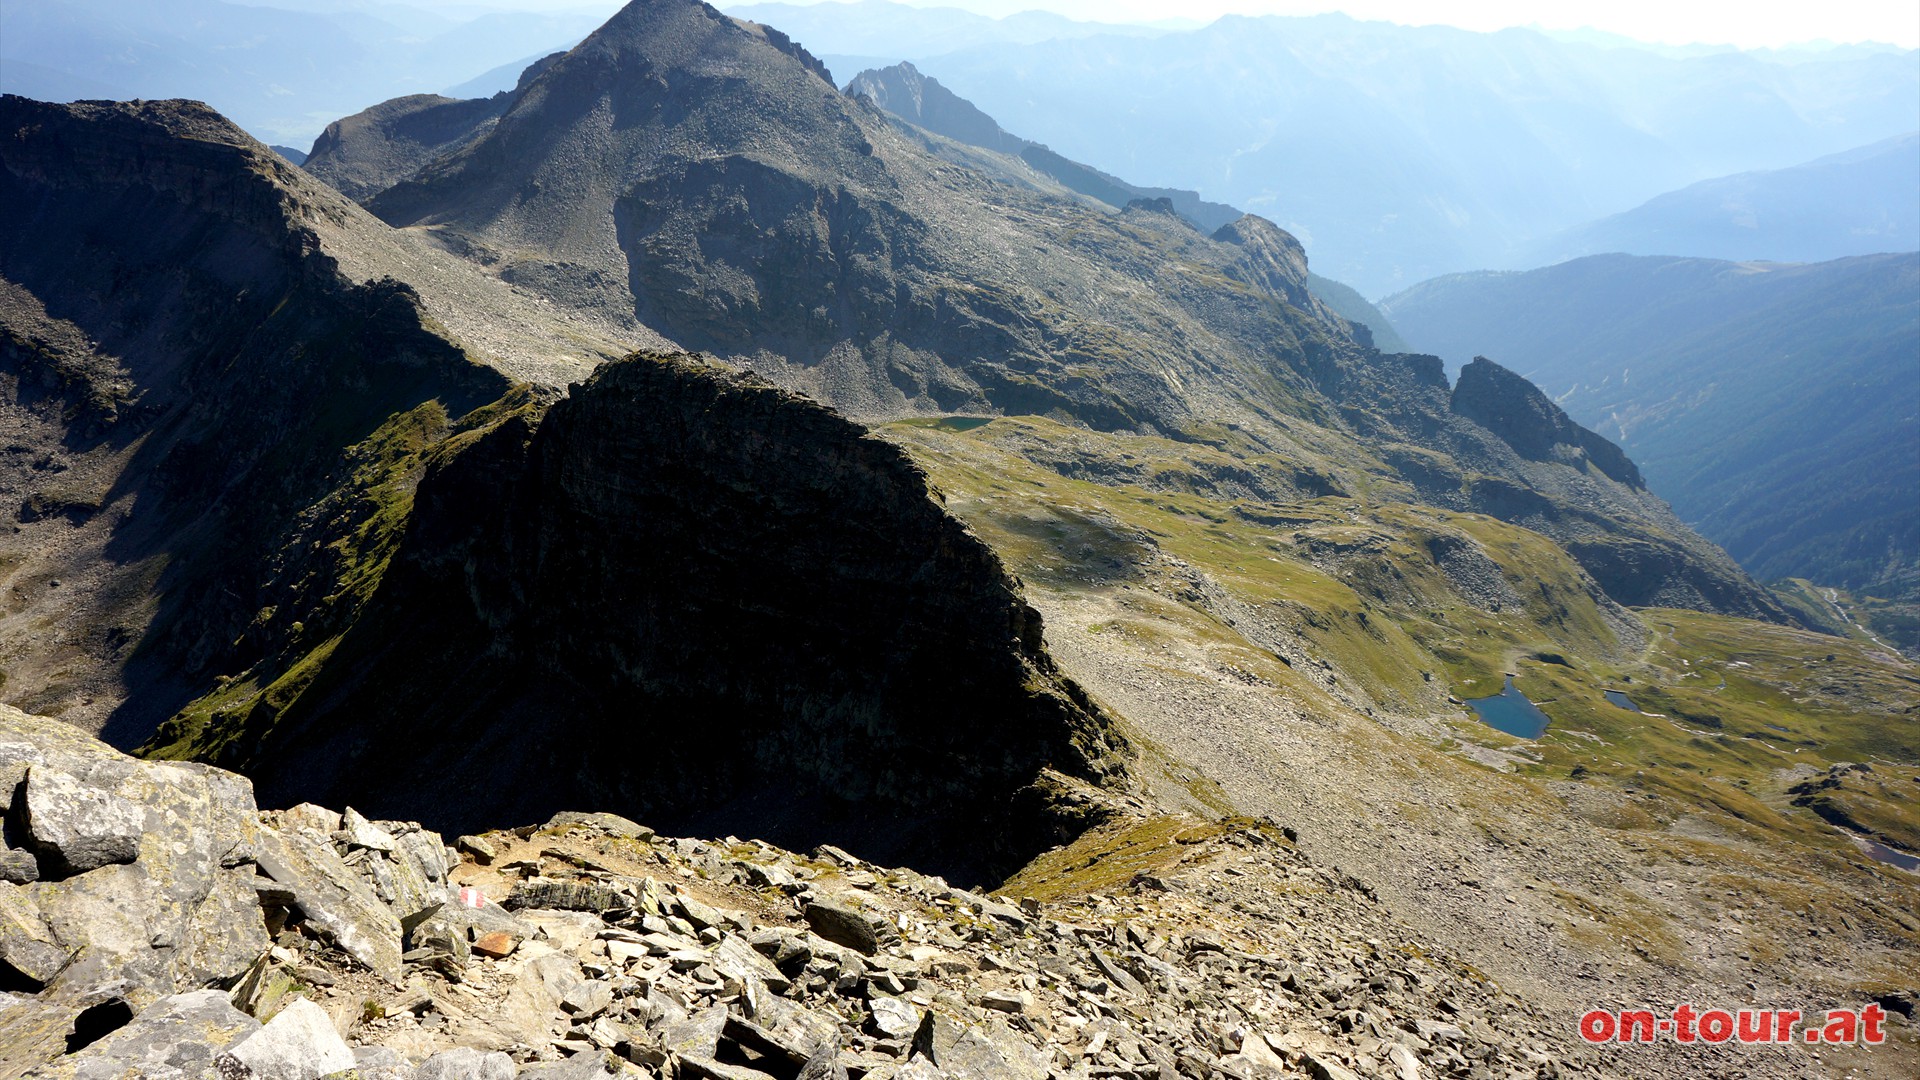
144 869
179 1037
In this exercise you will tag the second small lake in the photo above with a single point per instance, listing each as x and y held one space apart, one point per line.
1888 855
1620 699
1511 711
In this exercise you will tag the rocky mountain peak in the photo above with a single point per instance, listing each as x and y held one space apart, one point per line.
671 34
1271 258
920 99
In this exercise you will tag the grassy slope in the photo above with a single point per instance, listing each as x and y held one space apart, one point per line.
1360 620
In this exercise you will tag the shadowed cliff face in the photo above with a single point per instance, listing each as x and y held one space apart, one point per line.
696 598
190 395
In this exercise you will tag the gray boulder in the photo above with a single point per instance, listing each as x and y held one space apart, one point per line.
77 826
465 1063
27 943
18 867
381 1063
299 1043
611 824
180 914
32 1030
363 833
593 1066
334 898
845 925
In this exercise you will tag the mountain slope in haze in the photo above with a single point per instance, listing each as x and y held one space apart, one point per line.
1776 406
286 506
1398 153
880 28
366 153
903 91
703 177
1347 302
1860 202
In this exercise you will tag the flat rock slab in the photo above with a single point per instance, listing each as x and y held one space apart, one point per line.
849 926
466 1063
565 896
611 824
32 1030
299 1043
578 1067
334 898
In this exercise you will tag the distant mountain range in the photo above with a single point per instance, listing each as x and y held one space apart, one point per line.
1395 153
1859 202
903 91
281 74
1777 407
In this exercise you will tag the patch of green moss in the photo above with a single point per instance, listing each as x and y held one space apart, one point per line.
1108 858
341 557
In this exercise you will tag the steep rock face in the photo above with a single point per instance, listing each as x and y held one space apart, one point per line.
694 597
191 391
1527 420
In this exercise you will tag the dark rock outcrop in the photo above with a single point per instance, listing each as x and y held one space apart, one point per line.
1527 420
696 598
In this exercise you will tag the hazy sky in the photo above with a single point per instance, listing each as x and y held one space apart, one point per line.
1748 24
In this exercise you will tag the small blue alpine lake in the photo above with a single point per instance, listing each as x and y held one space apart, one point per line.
1888 855
1511 711
1615 697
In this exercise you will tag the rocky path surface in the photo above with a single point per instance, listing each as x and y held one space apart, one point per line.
154 924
